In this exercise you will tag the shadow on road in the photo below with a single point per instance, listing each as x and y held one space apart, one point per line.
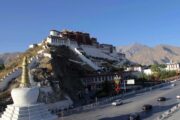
127 102
122 117
166 88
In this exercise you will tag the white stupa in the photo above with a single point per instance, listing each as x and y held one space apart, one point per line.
25 105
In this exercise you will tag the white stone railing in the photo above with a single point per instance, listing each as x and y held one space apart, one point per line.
16 72
83 58
9 77
168 113
33 62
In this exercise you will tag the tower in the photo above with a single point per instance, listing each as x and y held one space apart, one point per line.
25 105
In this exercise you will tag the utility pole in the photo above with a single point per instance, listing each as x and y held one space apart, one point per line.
96 100
124 83
62 115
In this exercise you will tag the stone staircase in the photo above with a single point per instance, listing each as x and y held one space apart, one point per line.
16 72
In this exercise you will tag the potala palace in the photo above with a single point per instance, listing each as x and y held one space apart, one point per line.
65 62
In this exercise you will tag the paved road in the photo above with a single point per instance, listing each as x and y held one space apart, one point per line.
131 105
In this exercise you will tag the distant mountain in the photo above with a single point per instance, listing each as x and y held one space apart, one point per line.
146 55
7 57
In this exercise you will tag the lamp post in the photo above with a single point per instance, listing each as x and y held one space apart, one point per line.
124 83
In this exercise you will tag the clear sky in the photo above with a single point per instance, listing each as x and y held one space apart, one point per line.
117 22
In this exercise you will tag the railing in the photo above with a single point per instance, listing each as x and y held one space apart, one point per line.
4 83
110 99
168 113
9 77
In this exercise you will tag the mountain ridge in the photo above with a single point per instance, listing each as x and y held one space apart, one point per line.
145 55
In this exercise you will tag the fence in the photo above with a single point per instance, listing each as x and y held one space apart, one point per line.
168 113
110 99
8 78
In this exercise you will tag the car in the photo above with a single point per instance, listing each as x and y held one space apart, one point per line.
173 85
161 99
178 96
147 107
117 102
134 116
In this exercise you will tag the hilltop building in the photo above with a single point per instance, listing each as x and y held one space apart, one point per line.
84 43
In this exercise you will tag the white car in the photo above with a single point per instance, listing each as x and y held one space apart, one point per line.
178 96
173 85
117 102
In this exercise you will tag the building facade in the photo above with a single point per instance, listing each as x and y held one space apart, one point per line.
94 81
173 66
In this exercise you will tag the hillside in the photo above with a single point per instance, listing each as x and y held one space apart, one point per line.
146 55
61 64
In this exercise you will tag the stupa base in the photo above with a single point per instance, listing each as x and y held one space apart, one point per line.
30 112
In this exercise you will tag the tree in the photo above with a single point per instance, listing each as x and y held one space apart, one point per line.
155 68
162 66
2 66
107 87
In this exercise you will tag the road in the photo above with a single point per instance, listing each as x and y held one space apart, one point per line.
132 105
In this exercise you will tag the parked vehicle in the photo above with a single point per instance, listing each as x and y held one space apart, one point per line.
134 116
117 102
147 107
161 99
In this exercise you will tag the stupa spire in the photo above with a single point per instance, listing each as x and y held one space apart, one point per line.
25 74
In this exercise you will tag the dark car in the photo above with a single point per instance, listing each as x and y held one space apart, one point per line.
134 116
147 107
161 99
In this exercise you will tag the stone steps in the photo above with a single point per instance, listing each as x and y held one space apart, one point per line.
32 112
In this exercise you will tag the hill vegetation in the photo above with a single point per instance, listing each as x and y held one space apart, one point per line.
17 61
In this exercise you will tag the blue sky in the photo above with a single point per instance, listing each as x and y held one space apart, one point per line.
117 22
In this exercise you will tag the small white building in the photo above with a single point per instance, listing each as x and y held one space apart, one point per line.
135 68
56 39
107 48
54 33
147 71
173 66
33 45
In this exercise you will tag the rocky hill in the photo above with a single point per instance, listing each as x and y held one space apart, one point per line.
59 65
146 55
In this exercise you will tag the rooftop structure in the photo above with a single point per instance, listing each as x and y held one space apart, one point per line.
87 47
79 37
25 105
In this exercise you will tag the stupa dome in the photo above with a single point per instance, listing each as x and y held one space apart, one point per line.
25 96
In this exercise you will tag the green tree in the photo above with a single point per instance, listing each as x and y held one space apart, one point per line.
155 68
107 87
2 66
162 66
